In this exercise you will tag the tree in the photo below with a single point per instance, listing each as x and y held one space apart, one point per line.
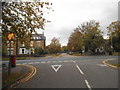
92 35
22 19
75 41
54 46
114 35
39 51
86 36
64 49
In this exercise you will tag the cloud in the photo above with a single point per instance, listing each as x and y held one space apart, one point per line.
68 14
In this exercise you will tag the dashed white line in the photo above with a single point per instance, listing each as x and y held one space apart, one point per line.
37 62
87 83
59 61
48 61
30 63
79 69
71 60
53 61
74 61
24 63
43 62
65 61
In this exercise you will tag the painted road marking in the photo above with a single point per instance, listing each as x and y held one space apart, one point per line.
59 61
102 65
71 60
30 63
43 62
74 61
53 61
37 62
65 61
24 63
48 61
79 69
56 67
87 83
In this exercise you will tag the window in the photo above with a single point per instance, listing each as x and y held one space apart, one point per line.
36 37
39 37
31 44
12 44
8 51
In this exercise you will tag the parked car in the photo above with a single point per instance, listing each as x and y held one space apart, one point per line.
70 53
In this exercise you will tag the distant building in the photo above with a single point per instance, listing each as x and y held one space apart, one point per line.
36 41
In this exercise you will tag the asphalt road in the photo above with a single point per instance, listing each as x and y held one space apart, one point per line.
72 72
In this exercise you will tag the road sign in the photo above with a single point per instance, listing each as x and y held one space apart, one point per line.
56 67
10 36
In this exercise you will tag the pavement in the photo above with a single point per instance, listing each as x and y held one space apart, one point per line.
25 72
113 61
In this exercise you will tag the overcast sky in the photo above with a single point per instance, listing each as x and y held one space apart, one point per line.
68 14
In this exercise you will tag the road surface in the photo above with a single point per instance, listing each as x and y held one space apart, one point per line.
72 72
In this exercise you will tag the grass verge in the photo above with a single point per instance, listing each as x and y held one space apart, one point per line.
17 58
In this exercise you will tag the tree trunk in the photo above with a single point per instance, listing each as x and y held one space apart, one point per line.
17 50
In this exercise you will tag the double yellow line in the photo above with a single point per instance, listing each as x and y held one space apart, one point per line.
29 75
25 78
106 63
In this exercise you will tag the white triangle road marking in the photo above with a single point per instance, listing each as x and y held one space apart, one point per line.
56 69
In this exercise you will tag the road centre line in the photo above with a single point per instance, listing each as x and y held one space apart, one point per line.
79 69
87 83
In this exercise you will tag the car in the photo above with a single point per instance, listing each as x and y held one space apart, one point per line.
70 53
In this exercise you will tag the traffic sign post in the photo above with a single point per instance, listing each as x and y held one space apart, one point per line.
9 68
10 36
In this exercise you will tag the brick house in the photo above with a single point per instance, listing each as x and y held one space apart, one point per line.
36 41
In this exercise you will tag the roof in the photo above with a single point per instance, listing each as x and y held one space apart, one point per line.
38 37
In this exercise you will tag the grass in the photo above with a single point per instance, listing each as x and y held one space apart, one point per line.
17 58
116 53
8 79
25 58
77 54
55 55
